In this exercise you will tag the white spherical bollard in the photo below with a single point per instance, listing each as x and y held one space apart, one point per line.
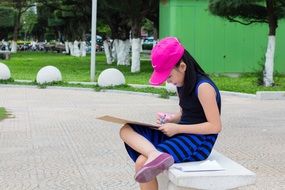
170 87
48 74
111 77
5 73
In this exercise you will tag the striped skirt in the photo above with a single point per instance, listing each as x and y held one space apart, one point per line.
182 147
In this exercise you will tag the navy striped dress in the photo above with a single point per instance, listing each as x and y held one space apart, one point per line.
183 147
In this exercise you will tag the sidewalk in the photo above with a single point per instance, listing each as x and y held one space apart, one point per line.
55 142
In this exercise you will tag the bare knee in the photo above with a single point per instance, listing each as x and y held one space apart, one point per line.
140 162
124 130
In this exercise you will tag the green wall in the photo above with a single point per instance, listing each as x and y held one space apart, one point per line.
218 45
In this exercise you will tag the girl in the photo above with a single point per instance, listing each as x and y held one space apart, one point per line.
186 136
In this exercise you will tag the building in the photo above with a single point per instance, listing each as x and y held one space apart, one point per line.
218 45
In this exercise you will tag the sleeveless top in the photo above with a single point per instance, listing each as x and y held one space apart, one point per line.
192 110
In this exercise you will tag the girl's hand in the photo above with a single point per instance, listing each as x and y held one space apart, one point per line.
169 129
162 118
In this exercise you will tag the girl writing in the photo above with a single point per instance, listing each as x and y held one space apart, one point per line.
186 136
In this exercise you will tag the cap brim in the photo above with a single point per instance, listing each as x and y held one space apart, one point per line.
157 78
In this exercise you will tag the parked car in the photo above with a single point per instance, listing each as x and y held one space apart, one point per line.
148 43
99 43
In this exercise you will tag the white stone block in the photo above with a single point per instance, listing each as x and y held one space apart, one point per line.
5 73
111 77
48 74
233 176
170 87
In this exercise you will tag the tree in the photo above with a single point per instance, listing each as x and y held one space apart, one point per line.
7 16
247 12
41 26
112 13
29 20
135 12
153 16
70 20
20 6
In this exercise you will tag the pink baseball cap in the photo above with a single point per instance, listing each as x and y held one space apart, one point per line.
164 56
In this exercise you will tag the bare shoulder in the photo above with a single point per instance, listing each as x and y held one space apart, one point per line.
206 90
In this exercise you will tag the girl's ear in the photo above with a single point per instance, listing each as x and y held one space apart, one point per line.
182 67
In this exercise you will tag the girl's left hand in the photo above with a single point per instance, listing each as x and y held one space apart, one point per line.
169 129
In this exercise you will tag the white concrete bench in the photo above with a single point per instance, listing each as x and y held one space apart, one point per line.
6 54
233 176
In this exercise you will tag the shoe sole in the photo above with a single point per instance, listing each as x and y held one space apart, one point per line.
146 174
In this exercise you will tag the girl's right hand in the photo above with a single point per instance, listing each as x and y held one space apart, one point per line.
162 118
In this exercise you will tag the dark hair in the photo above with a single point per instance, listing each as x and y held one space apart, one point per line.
192 69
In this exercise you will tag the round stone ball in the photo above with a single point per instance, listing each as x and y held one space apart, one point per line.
170 87
48 74
111 77
5 73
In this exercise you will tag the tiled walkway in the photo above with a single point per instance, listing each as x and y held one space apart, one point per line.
55 142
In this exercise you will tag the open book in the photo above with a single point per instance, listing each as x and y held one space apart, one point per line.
125 121
206 165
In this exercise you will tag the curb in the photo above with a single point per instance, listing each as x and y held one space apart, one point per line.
268 95
130 92
260 95
238 94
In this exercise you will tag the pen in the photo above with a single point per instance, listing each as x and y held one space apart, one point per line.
162 120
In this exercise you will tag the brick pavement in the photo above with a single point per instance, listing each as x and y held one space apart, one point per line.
55 142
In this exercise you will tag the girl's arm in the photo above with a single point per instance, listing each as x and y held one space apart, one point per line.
175 118
207 97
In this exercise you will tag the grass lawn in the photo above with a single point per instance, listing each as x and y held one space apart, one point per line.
3 113
25 65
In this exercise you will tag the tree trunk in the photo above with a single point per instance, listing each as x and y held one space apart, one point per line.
269 62
76 51
123 52
136 49
114 49
270 52
83 48
119 50
14 46
66 47
16 32
107 52
70 44
136 45
127 47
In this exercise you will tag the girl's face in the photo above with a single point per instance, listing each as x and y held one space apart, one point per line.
177 75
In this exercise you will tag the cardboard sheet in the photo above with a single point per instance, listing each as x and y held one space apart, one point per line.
124 121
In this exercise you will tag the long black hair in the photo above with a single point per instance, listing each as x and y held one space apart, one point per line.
192 69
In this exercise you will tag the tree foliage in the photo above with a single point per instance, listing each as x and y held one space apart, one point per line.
132 13
247 11
7 18
72 18
69 18
21 6
29 20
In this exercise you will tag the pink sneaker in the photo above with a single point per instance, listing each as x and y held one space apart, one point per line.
155 167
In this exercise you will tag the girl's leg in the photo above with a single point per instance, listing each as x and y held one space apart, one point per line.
139 143
152 185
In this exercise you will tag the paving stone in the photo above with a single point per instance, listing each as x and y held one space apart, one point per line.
55 141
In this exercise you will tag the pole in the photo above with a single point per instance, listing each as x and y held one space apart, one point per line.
93 41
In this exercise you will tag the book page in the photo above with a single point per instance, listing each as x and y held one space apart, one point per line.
207 165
